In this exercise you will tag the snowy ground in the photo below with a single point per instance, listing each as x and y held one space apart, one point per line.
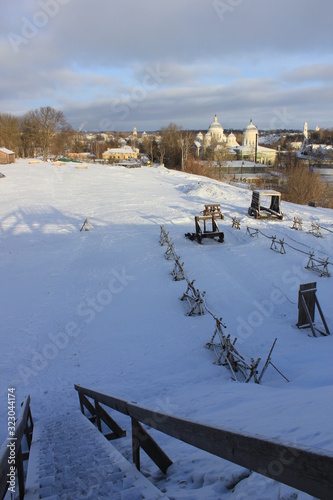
99 308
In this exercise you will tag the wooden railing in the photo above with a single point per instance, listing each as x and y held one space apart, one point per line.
308 470
12 455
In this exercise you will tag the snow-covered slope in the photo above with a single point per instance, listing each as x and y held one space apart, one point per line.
99 308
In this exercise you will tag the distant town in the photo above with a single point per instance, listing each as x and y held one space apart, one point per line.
275 158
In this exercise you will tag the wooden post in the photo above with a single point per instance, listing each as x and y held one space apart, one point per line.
98 416
81 403
141 439
135 443
20 472
322 316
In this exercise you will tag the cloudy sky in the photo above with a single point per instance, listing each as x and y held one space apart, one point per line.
110 64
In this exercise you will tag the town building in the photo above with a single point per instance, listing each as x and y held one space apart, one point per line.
123 153
6 156
249 150
214 137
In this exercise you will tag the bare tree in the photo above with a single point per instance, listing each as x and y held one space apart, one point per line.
170 143
303 185
30 134
50 122
41 126
186 143
62 141
161 153
148 145
10 136
222 155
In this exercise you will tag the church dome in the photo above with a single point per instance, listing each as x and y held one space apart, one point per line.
232 140
216 130
250 135
251 126
215 125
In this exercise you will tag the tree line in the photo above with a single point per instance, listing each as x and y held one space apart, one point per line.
42 130
45 131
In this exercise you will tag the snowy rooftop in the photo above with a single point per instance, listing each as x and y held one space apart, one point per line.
7 151
122 150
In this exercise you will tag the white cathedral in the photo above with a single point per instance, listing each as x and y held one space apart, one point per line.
215 137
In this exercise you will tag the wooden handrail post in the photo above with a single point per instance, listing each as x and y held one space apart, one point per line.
81 403
135 442
141 439
22 428
98 415
20 472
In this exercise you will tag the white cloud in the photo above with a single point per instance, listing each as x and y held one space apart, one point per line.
259 56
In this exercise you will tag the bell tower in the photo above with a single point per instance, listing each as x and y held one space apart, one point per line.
305 130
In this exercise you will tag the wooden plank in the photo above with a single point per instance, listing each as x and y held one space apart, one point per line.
112 402
208 217
112 424
135 443
307 291
20 472
21 424
98 415
298 467
322 316
87 404
149 445
307 314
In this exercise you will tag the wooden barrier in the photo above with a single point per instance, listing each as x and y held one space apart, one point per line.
194 299
86 226
227 355
308 470
318 265
23 427
235 223
297 224
307 302
275 248
315 230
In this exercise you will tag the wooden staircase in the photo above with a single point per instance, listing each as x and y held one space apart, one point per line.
70 458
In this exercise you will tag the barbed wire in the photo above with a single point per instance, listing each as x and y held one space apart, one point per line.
290 246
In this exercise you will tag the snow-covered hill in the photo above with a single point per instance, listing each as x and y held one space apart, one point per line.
99 308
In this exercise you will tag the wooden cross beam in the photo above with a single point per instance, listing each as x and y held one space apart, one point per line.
86 225
297 224
170 253
254 232
275 248
307 302
315 230
164 236
269 362
318 265
235 223
178 273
